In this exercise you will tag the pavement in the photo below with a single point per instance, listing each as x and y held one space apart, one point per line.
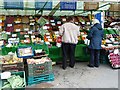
82 76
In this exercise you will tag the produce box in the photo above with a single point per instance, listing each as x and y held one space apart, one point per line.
14 83
5 50
44 47
114 60
25 52
41 78
12 67
39 69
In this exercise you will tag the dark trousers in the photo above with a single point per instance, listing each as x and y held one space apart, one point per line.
68 50
94 57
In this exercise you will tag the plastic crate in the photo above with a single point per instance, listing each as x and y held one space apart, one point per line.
39 69
41 46
5 50
22 75
41 78
12 67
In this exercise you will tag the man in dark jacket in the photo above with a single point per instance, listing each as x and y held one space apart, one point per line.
95 36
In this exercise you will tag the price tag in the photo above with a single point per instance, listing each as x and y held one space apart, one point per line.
26 29
47 22
47 36
59 22
26 36
50 40
47 33
47 42
9 25
17 30
29 32
25 41
32 23
8 33
32 36
51 20
88 23
17 21
63 19
83 22
82 33
53 24
59 26
14 35
44 27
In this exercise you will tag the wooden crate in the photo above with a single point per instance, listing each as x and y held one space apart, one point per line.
12 67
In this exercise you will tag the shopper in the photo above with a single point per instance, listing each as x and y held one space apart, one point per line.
69 32
95 36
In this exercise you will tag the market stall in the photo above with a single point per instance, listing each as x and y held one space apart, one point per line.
30 40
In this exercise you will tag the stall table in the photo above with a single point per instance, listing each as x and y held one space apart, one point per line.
81 53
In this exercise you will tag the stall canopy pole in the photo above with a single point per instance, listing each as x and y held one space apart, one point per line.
91 18
41 10
54 9
103 5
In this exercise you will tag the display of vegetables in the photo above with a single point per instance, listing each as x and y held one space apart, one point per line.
115 60
10 59
38 61
15 81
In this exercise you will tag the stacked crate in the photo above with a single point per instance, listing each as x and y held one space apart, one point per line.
12 67
38 73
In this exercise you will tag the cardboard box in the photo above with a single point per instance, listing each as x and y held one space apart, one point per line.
91 5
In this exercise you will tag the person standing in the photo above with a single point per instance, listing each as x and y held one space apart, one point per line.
69 32
95 36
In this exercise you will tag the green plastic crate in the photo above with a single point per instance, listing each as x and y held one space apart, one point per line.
39 69
5 50
41 46
21 74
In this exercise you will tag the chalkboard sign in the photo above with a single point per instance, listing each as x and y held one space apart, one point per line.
39 4
70 5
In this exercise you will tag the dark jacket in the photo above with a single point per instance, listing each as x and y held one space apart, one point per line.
95 36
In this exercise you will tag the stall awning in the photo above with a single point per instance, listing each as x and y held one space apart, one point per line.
29 8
